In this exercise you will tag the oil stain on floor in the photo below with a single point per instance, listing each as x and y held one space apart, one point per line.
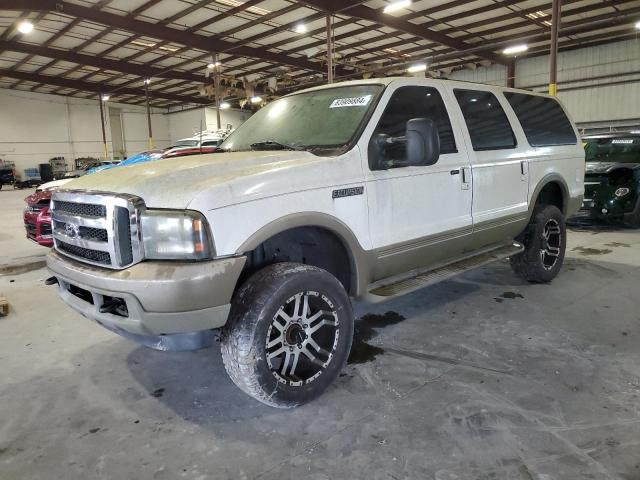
365 329
591 251
509 295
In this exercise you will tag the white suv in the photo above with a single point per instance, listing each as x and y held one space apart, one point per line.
359 190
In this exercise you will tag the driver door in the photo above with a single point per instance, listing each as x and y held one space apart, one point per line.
419 216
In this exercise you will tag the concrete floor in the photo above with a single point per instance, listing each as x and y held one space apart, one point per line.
481 377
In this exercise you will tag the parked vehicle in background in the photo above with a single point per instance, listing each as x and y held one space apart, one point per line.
37 220
359 190
186 151
7 176
203 139
612 178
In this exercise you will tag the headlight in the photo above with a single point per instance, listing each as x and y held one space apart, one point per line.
174 235
621 192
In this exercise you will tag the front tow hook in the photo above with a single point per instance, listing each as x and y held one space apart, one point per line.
51 281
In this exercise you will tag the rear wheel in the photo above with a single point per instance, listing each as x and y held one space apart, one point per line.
545 240
288 335
634 219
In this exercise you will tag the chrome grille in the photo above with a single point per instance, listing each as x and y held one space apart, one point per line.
84 209
97 228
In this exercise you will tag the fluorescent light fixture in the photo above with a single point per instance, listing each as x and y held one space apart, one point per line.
515 49
638 25
419 67
256 99
169 49
395 6
105 98
225 105
25 26
301 28
143 44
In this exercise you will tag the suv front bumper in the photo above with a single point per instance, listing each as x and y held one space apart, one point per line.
164 305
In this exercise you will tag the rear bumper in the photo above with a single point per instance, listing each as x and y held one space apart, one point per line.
162 299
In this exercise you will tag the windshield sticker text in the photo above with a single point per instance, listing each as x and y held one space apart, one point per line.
351 102
625 141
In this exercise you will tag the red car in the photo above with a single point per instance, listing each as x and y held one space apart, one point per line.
183 152
37 220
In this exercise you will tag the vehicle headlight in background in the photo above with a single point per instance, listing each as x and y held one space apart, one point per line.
174 235
621 192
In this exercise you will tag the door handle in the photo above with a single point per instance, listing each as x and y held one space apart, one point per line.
522 168
465 182
455 172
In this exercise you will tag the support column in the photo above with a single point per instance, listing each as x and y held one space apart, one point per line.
329 49
216 85
104 133
511 74
146 94
553 57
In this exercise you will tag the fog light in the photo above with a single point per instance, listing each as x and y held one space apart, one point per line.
621 192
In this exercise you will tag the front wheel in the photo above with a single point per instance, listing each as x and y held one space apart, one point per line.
545 241
289 334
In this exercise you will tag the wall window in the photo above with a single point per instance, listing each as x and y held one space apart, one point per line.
488 125
408 103
543 120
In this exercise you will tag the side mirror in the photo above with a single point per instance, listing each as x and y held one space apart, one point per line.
423 142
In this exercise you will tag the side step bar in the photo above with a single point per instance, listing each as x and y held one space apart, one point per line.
424 279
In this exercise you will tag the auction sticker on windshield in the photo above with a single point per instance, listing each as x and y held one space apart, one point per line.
351 102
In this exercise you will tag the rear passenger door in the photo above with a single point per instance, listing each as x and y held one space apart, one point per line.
499 167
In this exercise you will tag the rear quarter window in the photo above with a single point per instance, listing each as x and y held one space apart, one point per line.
543 120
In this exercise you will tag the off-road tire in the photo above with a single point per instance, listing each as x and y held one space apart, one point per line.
530 264
254 309
634 219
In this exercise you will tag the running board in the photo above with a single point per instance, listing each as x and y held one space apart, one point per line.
421 280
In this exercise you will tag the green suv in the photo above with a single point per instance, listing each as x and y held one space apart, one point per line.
612 178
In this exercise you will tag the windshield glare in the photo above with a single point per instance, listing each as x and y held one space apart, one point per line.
618 150
321 119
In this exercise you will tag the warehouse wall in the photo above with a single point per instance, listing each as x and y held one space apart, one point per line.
36 127
614 96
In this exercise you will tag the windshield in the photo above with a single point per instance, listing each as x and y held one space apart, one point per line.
321 119
185 143
618 150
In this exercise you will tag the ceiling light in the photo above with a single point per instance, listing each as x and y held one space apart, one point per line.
236 3
638 25
301 28
169 49
143 44
25 26
395 6
213 65
225 105
515 49
419 67
256 99
147 81
105 98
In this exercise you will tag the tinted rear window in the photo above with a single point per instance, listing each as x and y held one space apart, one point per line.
488 125
542 119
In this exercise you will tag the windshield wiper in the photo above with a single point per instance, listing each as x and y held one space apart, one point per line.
273 145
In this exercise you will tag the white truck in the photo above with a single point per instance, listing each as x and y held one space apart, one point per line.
361 190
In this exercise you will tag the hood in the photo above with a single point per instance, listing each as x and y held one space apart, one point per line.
608 167
53 185
222 177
